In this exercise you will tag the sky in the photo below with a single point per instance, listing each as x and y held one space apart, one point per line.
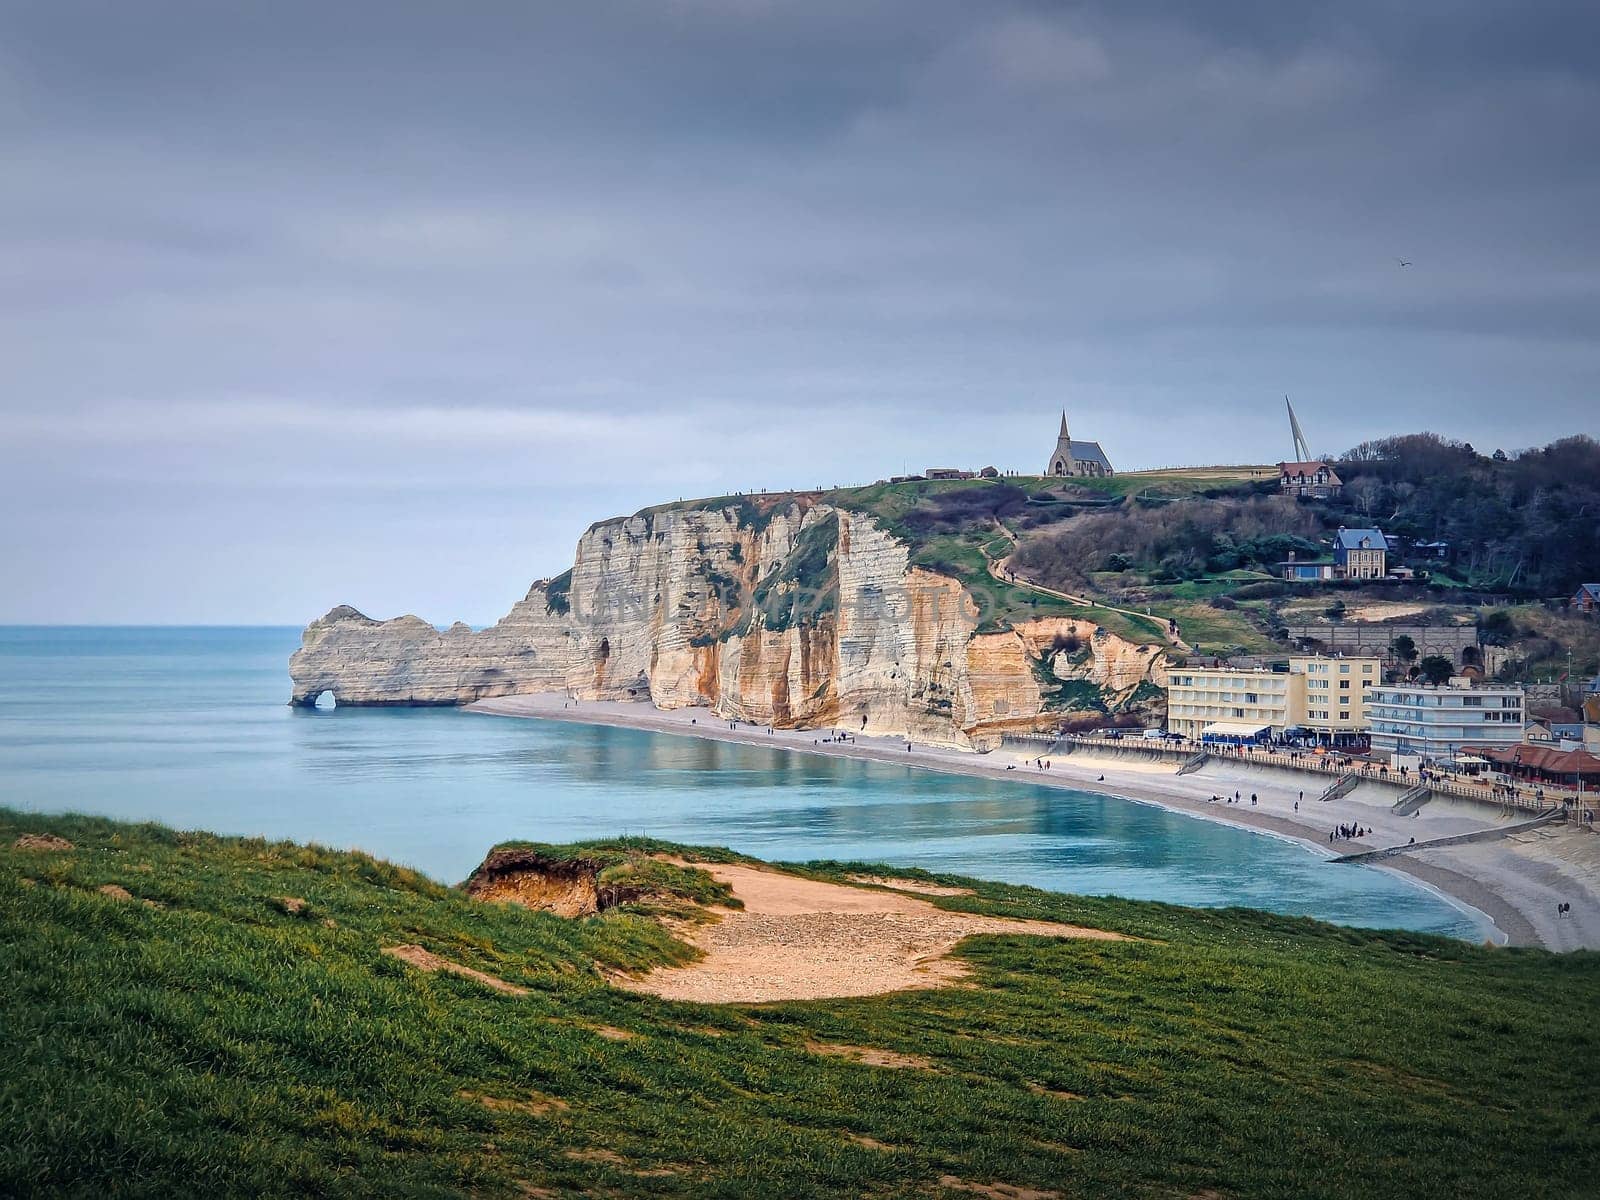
383 303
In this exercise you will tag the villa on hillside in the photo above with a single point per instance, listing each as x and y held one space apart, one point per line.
1308 480
1357 554
1587 598
1360 554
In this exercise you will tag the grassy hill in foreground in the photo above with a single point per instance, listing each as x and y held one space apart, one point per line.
242 1033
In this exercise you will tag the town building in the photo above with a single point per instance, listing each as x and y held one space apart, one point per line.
1587 598
1305 570
1575 768
1308 480
1360 554
1357 554
1081 459
1328 696
1423 721
948 473
1320 695
1228 704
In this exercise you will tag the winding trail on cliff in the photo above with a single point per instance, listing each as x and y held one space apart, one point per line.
1001 570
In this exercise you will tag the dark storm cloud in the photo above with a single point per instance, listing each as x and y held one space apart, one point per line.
285 280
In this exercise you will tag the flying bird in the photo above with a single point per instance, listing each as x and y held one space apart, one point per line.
1403 262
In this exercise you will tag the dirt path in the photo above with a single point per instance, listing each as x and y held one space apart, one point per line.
1001 570
801 939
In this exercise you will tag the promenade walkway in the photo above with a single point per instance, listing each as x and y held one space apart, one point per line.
1512 797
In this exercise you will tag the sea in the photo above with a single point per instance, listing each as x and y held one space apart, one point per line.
191 727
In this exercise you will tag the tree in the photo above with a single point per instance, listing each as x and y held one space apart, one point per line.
1496 628
1436 669
1334 611
1405 648
1366 493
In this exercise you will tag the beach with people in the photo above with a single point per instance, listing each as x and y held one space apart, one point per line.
1539 886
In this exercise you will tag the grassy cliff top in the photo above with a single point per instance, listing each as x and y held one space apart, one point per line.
226 1023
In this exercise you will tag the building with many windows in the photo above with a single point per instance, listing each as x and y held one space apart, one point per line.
1227 703
1329 695
1308 480
1436 722
1360 554
1318 693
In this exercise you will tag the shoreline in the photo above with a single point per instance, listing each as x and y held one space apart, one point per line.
1512 896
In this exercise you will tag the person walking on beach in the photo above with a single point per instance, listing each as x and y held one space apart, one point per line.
1252 799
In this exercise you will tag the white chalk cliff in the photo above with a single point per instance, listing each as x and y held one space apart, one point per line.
785 612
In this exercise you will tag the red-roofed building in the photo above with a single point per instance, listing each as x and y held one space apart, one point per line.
1308 480
1541 764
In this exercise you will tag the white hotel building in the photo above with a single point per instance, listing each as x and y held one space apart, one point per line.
1435 722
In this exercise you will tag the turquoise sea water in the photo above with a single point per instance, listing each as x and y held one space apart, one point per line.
191 727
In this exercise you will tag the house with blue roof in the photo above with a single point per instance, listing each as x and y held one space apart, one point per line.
1360 554
1587 598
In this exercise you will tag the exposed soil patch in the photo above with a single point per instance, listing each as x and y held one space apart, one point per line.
871 1056
997 1191
910 885
803 939
534 1106
611 1033
41 841
292 905
426 960
115 891
566 887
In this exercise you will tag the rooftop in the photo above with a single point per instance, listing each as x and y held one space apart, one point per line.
1351 539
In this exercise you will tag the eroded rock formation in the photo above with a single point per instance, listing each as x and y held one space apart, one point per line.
790 613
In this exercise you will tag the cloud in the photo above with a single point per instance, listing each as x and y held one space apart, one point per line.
1032 52
594 256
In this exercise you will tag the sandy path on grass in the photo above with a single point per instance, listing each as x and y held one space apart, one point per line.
802 939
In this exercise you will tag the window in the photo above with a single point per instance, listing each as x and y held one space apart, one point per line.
1344 668
1344 684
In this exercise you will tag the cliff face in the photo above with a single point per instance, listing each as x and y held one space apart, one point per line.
408 661
793 614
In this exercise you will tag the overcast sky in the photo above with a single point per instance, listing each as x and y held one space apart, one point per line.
384 302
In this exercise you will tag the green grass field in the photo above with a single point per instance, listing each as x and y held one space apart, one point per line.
222 1044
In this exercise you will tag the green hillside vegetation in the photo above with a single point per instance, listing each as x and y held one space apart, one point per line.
1527 522
1202 545
228 1025
1544 644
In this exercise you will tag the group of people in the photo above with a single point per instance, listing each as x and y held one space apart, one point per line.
1238 798
1344 832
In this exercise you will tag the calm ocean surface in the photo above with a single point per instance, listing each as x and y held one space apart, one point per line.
191 727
